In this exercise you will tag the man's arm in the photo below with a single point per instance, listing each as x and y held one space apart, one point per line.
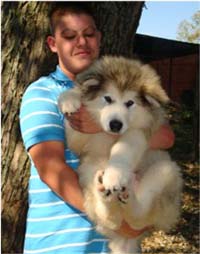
49 160
81 120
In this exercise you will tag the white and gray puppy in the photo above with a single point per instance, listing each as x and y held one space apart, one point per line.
141 186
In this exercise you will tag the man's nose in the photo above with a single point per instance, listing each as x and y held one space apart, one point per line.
81 40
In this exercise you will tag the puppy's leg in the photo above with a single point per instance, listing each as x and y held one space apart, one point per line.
159 176
124 158
70 101
107 209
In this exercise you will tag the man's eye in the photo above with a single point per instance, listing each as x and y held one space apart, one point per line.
129 103
108 99
70 37
89 35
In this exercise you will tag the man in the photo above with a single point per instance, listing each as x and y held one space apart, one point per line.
56 222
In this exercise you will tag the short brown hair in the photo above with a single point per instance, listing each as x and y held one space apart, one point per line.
61 8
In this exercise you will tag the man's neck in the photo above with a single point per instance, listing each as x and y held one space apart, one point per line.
67 73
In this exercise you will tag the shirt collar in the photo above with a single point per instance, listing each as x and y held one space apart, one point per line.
60 75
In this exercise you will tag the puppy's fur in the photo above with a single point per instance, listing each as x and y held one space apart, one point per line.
140 185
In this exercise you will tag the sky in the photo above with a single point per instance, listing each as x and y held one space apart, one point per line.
162 18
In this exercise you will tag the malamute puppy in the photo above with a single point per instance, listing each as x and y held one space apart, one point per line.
141 186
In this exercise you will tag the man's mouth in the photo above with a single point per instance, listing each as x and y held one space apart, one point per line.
83 53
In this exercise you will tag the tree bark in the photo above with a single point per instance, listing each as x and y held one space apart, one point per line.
118 22
22 57
25 57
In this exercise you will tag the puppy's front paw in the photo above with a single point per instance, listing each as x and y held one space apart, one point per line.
69 102
116 183
114 179
123 195
99 180
100 187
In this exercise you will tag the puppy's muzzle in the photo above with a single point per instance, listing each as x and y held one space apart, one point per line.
116 125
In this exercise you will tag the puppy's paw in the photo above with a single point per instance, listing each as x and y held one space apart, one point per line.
69 102
105 193
116 181
99 181
123 196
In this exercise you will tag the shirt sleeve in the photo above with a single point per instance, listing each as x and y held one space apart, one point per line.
40 119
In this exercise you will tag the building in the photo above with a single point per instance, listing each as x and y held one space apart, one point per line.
176 62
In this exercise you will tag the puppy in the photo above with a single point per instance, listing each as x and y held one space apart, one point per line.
140 185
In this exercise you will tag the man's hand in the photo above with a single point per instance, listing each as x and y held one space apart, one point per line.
128 232
83 122
163 138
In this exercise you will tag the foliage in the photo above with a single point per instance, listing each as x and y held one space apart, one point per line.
189 31
182 123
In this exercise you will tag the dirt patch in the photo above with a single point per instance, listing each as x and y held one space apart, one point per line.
185 237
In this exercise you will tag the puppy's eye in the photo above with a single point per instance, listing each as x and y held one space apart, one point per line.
129 103
108 99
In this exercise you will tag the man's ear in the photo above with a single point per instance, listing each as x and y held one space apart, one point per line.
52 44
99 35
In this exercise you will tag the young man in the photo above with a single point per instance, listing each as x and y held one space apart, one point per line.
56 222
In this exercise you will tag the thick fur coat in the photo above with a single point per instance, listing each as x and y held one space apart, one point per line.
140 185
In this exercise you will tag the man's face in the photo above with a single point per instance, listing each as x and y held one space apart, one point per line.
76 41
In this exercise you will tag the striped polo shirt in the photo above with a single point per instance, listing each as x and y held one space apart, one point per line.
53 226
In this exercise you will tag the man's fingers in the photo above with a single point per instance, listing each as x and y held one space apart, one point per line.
83 122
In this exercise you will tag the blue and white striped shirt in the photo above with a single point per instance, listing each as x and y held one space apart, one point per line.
53 226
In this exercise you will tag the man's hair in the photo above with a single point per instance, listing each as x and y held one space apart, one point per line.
61 8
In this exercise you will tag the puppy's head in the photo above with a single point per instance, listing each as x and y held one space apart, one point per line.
121 92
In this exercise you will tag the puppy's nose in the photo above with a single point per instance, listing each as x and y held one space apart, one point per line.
115 125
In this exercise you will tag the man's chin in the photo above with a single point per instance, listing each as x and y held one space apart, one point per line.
84 64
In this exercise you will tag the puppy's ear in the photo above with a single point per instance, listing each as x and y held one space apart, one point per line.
160 95
90 86
154 101
151 87
91 83
151 101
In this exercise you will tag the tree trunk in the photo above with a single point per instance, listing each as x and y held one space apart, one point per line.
118 22
25 57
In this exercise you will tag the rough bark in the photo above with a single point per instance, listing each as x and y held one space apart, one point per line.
24 58
23 54
118 22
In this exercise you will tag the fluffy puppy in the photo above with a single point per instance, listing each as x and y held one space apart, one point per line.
141 186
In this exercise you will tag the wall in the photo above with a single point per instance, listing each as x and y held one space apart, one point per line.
177 74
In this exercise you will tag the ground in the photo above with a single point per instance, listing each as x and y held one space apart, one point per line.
184 238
